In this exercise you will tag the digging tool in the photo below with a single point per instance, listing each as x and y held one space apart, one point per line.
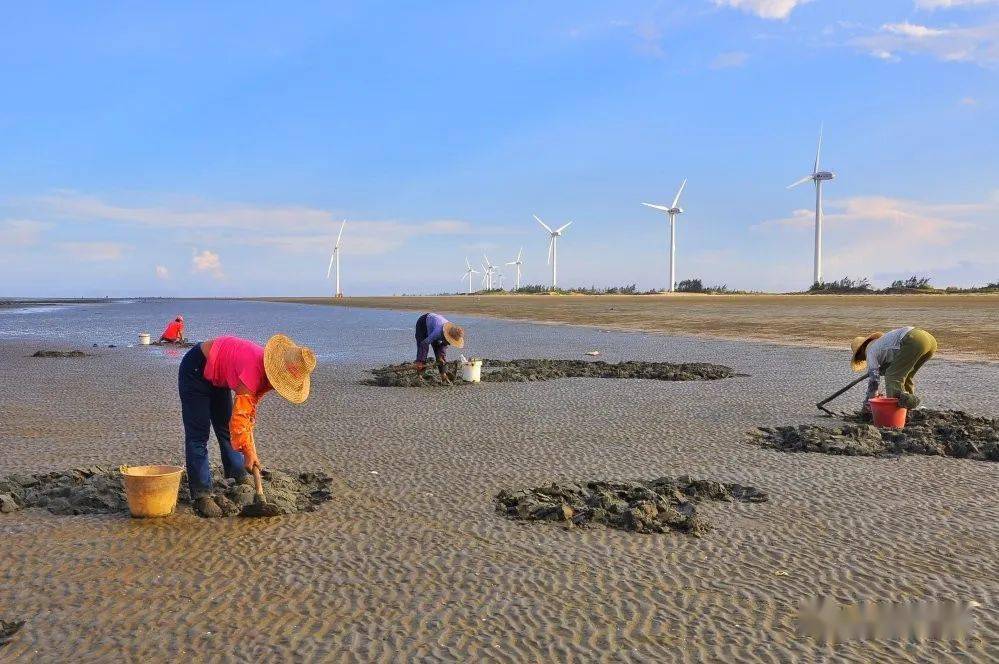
822 404
260 506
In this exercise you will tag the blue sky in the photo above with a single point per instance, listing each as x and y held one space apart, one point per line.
174 149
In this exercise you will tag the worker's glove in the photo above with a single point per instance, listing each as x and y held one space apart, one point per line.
419 367
446 379
250 460
910 401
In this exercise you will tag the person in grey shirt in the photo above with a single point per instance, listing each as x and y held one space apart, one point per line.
897 355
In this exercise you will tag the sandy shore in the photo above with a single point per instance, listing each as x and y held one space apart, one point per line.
410 561
967 326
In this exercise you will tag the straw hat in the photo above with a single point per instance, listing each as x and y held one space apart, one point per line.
288 367
454 335
858 362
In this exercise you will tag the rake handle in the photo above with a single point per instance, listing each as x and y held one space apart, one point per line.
259 484
822 403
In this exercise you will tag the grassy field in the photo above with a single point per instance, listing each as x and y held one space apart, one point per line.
966 326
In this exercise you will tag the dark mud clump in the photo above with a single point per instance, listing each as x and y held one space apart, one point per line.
644 507
59 353
951 433
99 490
520 371
174 344
8 628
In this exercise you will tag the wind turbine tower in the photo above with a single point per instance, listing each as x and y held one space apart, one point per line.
818 177
517 262
335 258
553 235
673 211
469 271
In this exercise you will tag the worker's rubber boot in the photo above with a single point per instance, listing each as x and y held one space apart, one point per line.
910 401
247 480
206 507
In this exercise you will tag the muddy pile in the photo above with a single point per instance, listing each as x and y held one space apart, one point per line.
99 490
174 344
951 433
8 628
59 353
519 371
657 506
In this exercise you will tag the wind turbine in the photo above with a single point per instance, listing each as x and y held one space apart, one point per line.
469 271
554 235
818 177
673 211
335 258
490 272
518 263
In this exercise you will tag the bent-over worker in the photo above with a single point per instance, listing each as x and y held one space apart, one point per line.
897 355
433 330
174 332
209 373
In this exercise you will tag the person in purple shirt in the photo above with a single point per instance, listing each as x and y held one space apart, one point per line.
433 330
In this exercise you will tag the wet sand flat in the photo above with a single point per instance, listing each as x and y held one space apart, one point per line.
965 325
410 560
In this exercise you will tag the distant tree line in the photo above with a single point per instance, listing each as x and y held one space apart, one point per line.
911 285
845 286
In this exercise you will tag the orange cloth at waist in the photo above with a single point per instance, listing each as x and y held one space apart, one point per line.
244 414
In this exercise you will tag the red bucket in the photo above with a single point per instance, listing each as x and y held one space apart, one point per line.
886 413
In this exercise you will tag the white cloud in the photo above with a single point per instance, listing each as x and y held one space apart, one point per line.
769 9
199 214
207 262
293 229
869 235
911 30
969 101
729 59
162 272
978 44
20 232
950 4
887 56
96 252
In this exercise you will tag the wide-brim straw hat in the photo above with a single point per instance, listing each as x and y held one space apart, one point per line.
455 335
858 361
289 368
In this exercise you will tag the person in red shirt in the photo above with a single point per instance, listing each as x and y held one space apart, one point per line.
174 332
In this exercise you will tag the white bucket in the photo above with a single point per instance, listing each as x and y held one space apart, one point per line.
144 338
471 371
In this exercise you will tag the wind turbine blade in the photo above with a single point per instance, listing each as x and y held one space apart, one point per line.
340 234
512 263
661 208
551 245
564 227
801 181
467 264
329 270
677 199
818 150
543 224
519 254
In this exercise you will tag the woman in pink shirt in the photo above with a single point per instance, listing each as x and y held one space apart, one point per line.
209 375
